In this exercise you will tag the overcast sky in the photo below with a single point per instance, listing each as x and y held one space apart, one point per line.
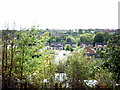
60 14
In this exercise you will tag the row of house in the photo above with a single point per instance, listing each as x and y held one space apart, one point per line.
110 31
60 46
89 47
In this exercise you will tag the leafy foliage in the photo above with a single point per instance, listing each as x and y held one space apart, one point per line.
112 53
102 37
105 78
86 37
79 68
28 62
29 56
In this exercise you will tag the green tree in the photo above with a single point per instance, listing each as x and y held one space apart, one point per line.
105 78
79 68
69 48
80 31
31 55
86 37
112 54
5 68
68 40
45 70
99 38
118 32
102 37
25 56
27 46
107 36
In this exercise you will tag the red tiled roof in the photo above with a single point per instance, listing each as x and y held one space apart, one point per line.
88 49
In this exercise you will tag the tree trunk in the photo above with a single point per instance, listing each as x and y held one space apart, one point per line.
12 54
21 77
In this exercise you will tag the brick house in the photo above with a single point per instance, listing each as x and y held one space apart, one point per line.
90 51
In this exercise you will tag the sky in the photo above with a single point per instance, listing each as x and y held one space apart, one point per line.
59 14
